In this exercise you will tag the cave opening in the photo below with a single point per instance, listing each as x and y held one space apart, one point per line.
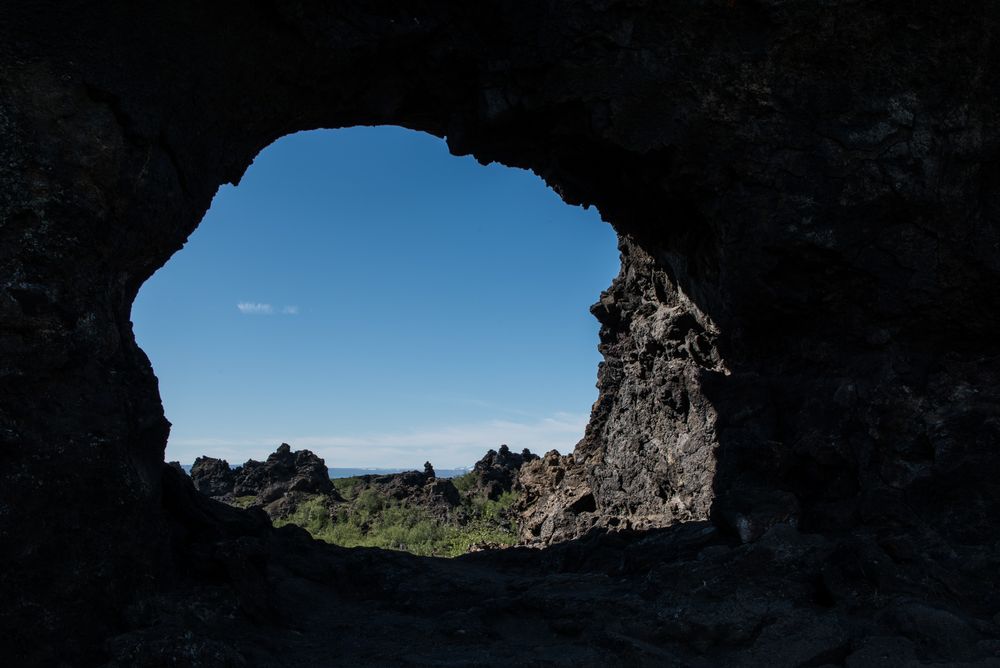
801 345
365 295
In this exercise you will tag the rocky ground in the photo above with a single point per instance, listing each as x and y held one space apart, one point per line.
688 595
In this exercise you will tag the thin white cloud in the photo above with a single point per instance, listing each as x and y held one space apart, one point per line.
462 400
290 310
447 446
255 308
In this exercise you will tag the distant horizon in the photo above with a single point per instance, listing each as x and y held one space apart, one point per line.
352 471
237 452
234 464
366 295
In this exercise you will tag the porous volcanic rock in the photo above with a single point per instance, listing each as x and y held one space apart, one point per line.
555 500
648 456
801 347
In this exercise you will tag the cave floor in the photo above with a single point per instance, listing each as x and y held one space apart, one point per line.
683 596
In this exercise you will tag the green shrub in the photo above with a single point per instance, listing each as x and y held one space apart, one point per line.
370 501
374 520
312 514
464 483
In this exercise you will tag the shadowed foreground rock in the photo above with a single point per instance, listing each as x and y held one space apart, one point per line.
801 347
687 596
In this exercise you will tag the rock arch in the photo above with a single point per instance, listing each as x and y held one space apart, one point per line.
804 330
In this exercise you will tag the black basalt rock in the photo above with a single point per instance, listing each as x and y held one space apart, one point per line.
801 367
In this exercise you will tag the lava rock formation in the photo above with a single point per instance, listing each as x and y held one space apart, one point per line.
801 371
276 484
499 470
284 471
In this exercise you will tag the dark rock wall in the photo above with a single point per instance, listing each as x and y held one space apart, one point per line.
804 329
81 426
809 263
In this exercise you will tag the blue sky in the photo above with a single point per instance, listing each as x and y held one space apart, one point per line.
365 294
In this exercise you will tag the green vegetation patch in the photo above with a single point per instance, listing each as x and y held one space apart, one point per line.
465 483
371 519
347 487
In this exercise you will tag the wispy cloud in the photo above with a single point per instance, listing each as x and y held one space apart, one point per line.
446 446
463 400
255 308
258 308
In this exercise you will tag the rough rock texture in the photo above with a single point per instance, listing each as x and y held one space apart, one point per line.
803 333
497 471
648 457
556 502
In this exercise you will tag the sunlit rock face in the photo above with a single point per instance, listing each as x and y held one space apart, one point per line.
803 333
648 457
